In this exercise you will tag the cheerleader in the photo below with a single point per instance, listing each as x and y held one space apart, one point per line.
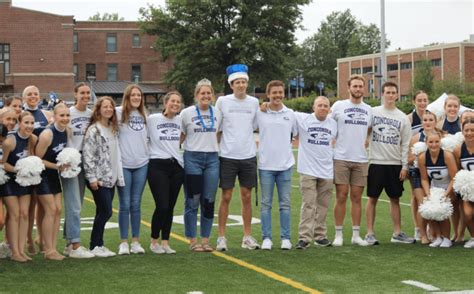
437 169
450 121
50 143
165 171
133 147
420 100
17 198
14 103
464 155
429 125
4 249
103 168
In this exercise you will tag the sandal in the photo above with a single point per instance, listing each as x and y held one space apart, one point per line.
207 248
196 247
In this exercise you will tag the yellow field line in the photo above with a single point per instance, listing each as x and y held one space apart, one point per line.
240 262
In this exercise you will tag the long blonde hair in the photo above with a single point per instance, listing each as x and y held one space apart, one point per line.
127 105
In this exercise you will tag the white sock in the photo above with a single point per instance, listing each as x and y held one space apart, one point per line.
338 231
355 231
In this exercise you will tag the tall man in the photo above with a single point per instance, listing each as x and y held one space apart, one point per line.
353 118
388 156
238 152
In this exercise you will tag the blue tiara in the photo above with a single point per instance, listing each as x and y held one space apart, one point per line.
236 68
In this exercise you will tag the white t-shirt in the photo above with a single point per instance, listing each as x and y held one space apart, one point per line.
133 139
315 152
79 123
276 129
239 120
202 138
164 136
353 122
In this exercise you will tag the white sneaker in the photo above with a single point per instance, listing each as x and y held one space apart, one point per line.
5 251
446 243
156 248
286 244
99 251
136 248
124 249
80 252
249 242
267 244
108 251
338 241
417 235
359 241
167 249
67 250
469 244
436 242
221 244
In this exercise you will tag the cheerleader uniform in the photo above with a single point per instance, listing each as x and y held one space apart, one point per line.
438 171
41 121
50 183
451 127
467 159
416 125
414 171
12 188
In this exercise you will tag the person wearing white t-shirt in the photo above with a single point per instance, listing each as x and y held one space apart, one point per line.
238 152
133 142
201 123
353 119
74 188
277 126
165 169
316 132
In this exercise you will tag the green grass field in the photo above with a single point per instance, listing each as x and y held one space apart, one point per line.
347 269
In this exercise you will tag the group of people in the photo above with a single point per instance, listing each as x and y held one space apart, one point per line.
123 147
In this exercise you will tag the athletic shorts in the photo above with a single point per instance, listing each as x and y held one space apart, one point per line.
384 177
50 183
350 173
415 178
244 169
12 188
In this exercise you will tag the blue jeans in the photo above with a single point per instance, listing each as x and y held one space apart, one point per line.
282 179
201 179
130 200
103 198
73 191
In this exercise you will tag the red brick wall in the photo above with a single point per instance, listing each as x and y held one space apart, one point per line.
469 64
451 63
344 72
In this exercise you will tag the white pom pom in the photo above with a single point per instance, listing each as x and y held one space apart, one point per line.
3 176
436 207
72 157
464 184
418 148
450 142
28 171
459 137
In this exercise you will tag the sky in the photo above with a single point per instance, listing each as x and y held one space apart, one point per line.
408 23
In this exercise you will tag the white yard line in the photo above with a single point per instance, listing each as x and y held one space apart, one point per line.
421 285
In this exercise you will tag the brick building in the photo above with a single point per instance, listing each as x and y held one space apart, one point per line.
448 61
54 52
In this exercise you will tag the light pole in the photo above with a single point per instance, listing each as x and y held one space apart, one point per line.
91 80
383 66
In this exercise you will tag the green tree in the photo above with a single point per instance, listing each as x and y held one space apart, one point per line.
204 37
423 79
340 35
106 17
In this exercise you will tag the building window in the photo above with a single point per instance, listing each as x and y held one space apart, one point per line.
355 71
136 42
393 66
367 69
90 71
405 65
112 72
136 73
5 57
75 71
111 42
75 43
436 62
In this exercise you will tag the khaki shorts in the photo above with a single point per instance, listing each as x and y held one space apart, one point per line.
350 173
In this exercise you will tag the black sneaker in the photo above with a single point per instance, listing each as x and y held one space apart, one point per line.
302 244
322 242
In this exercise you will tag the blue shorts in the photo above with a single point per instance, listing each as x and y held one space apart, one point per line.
415 178
12 188
50 183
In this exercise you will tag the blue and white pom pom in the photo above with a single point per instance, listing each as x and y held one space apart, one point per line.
28 171
418 148
436 207
449 142
3 176
71 157
464 184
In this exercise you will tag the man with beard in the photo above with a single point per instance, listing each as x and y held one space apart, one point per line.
353 118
